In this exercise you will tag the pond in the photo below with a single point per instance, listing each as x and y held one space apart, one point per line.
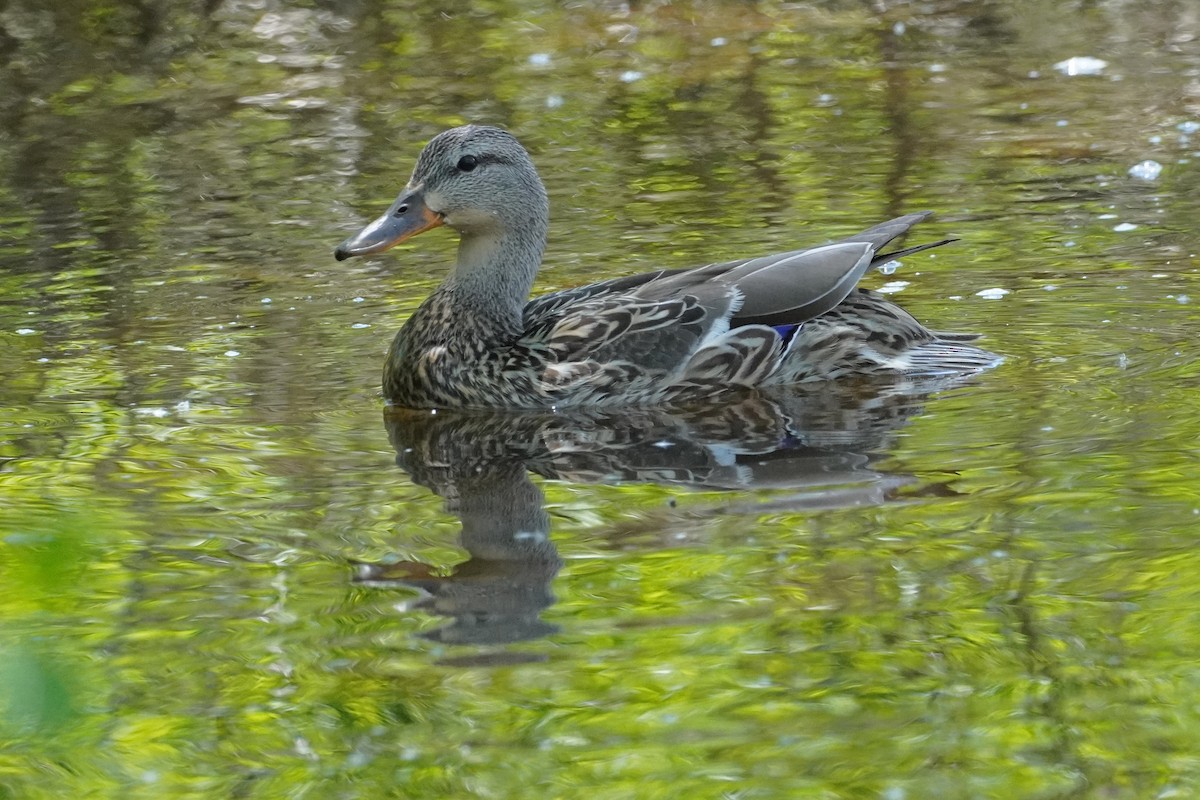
227 569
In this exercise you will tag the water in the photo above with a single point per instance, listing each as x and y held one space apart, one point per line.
226 571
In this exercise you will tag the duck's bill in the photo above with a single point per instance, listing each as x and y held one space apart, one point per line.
407 217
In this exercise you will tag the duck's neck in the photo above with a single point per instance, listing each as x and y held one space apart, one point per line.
491 282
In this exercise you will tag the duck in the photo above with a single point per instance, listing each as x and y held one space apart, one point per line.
667 337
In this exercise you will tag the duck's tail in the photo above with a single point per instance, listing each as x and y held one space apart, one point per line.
948 354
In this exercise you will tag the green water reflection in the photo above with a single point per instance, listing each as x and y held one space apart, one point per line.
223 575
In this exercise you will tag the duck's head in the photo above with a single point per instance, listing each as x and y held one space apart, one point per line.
476 179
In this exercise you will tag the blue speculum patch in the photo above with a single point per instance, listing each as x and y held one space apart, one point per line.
786 332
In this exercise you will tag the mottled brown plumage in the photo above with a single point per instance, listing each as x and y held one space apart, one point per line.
659 338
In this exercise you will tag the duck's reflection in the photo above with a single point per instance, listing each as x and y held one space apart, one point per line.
819 443
498 594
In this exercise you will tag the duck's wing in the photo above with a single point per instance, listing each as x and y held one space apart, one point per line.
777 289
658 321
798 285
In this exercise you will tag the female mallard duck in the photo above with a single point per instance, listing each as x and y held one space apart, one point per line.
662 337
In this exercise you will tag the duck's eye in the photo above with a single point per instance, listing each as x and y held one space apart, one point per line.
468 163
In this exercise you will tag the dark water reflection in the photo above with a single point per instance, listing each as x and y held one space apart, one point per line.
816 443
